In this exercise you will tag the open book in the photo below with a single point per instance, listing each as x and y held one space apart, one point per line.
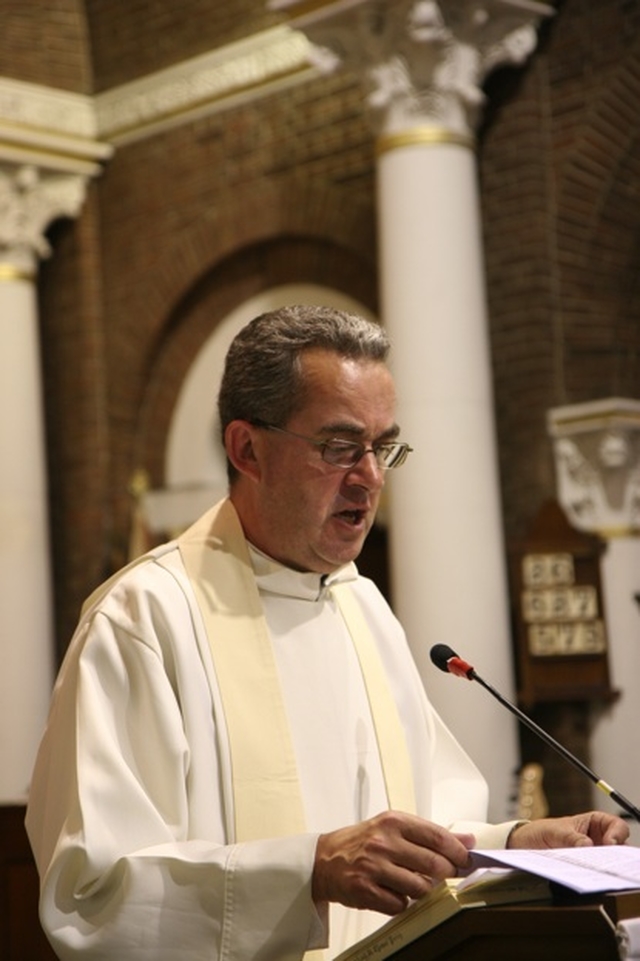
483 887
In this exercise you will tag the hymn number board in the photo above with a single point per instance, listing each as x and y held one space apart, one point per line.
560 634
563 617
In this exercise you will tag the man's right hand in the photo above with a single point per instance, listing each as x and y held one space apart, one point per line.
381 863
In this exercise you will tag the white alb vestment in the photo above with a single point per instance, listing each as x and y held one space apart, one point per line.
131 808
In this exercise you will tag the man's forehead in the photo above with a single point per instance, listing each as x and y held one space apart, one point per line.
338 396
320 362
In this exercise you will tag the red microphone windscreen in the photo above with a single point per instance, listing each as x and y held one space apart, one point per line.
455 665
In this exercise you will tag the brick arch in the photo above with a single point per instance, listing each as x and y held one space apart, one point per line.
166 285
286 208
229 283
283 232
598 240
601 158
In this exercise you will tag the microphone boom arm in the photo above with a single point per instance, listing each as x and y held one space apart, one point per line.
448 661
620 799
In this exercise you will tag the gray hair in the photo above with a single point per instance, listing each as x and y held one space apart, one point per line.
262 380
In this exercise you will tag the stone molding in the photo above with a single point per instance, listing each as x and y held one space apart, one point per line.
596 447
67 131
51 129
223 78
420 64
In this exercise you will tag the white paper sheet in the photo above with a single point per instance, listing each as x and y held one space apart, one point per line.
585 870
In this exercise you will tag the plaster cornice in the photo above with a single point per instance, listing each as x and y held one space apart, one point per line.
48 128
60 130
215 81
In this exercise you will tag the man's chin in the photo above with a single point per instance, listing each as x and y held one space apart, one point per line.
345 554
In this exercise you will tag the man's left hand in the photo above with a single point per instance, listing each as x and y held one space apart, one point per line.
579 830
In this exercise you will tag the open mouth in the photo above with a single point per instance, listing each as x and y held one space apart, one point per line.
353 517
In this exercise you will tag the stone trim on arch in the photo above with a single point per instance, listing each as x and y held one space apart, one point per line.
256 268
285 230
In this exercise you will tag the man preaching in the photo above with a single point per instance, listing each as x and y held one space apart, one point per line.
240 761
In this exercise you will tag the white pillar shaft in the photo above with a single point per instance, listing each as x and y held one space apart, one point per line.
596 446
26 635
615 743
424 66
449 577
30 199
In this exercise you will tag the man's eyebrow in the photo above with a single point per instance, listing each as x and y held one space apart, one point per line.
353 430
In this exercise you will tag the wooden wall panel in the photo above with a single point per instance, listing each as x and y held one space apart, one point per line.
21 937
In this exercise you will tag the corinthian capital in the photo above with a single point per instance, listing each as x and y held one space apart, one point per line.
30 201
423 62
597 454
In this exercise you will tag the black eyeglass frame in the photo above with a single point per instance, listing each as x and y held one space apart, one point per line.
396 452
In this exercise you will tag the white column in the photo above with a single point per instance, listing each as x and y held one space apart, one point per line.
597 453
449 577
423 63
27 204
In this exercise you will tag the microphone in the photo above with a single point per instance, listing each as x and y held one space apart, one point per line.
448 661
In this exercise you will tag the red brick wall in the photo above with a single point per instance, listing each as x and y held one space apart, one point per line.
184 226
153 34
181 229
560 175
46 43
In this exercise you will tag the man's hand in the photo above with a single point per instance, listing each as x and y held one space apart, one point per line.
580 830
380 863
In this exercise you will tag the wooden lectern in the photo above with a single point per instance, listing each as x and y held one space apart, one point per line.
575 930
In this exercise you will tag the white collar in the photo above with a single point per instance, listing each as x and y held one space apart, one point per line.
272 577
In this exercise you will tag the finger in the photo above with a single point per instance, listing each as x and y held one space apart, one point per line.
468 840
387 901
608 829
434 839
578 841
388 890
376 897
404 884
420 862
410 852
565 833
616 834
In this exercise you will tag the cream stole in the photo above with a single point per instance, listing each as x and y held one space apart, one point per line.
266 790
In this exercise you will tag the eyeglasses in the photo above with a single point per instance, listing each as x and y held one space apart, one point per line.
346 454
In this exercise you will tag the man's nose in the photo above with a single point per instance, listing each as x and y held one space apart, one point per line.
368 472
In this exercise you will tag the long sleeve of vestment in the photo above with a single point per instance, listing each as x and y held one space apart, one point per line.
130 812
125 815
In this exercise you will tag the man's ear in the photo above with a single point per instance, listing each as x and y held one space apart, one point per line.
240 441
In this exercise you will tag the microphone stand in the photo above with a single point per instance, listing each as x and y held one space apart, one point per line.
620 799
461 668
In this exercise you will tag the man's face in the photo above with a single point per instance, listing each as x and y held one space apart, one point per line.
313 516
